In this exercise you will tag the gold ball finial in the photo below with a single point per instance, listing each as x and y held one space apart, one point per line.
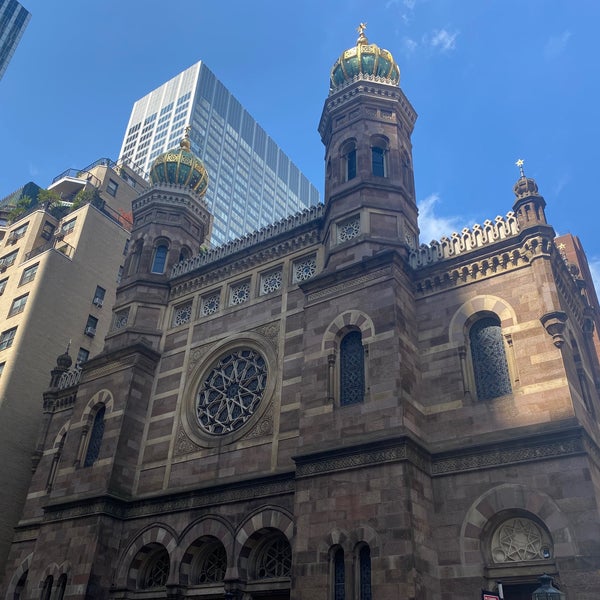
362 39
185 143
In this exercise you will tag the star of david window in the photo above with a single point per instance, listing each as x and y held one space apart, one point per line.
210 304
274 559
520 539
304 269
348 229
182 314
490 367
231 392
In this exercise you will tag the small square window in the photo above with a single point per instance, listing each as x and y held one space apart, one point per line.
68 227
2 367
111 187
18 305
271 282
210 304
90 326
48 230
29 274
239 293
8 260
99 296
304 269
7 337
3 285
182 314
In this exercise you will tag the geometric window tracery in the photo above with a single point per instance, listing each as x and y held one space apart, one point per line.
490 366
352 369
304 269
239 293
271 282
182 314
231 391
212 565
274 559
157 570
210 304
520 539
348 229
96 436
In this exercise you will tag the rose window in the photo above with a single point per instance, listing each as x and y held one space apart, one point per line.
231 392
210 305
271 282
348 230
239 293
305 269
275 559
121 319
182 315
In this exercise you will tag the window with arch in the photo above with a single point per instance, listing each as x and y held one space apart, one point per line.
274 558
490 366
520 539
156 570
339 575
95 439
364 573
134 258
47 589
61 586
20 587
211 564
378 161
349 160
184 253
159 259
352 368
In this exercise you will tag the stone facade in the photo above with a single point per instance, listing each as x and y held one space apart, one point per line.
325 410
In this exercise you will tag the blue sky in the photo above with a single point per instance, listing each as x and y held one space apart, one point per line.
491 81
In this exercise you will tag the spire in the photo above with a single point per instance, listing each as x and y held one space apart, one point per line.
529 205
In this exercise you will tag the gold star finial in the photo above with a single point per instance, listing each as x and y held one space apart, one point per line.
520 164
361 34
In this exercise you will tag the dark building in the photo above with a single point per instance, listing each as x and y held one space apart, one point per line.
13 21
325 409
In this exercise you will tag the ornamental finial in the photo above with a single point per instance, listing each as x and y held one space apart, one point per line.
361 34
520 164
185 141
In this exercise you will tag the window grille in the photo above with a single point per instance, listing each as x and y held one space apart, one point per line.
240 293
304 269
275 559
489 359
157 570
348 229
213 565
210 304
271 282
96 435
352 369
182 314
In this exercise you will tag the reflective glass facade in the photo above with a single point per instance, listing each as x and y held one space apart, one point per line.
252 181
13 20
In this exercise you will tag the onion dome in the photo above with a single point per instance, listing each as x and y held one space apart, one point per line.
364 61
64 361
180 167
525 186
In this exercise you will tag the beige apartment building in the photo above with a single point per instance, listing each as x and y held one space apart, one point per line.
59 268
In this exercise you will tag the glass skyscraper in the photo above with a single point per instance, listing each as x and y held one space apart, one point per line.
252 182
13 20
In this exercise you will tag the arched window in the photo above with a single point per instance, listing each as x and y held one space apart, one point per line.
339 575
95 441
210 565
364 572
61 586
349 160
47 589
184 253
134 258
490 366
274 558
352 369
160 259
156 571
20 587
378 161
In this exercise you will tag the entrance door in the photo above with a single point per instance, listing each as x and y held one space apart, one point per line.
521 591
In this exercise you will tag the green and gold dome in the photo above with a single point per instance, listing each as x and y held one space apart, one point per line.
180 167
364 60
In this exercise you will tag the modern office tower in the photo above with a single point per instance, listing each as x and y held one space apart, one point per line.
13 21
59 265
252 182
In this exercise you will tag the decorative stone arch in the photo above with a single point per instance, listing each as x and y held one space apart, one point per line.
517 498
351 319
478 305
56 444
252 531
190 544
131 559
103 397
365 535
16 578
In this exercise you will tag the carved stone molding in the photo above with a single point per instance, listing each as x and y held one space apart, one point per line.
554 324
183 444
269 331
347 285
198 354
264 426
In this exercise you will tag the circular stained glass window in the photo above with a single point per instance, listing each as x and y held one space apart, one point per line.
231 392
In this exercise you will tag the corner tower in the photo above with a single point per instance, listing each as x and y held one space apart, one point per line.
366 126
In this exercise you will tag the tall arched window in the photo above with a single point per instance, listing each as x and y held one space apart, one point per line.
156 571
20 587
490 366
47 589
364 564
352 369
339 575
61 586
349 159
378 161
160 259
95 441
134 258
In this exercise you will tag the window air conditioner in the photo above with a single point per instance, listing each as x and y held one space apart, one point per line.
91 331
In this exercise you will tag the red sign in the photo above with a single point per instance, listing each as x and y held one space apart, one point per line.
489 596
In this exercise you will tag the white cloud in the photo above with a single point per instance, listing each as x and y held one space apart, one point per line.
432 226
33 170
594 264
409 45
441 39
556 45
